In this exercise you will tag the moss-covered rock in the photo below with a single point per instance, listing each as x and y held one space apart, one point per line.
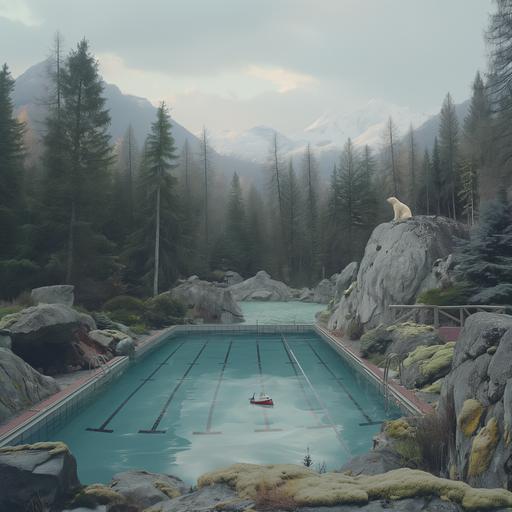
483 448
97 494
469 416
308 488
435 387
399 429
427 364
401 339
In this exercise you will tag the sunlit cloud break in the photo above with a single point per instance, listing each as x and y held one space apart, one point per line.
18 12
284 79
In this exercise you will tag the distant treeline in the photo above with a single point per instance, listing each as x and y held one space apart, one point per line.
134 216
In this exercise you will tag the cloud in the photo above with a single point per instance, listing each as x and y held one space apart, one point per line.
18 12
284 79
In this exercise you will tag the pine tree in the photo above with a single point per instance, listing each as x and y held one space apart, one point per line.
485 260
448 152
258 239
437 178
207 179
391 139
293 219
413 192
468 193
11 164
426 184
158 180
311 213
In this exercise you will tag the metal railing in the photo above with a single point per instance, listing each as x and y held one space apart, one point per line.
439 316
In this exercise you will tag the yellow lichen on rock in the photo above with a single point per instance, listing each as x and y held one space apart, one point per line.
399 429
469 416
168 490
98 494
53 448
483 448
421 353
435 387
308 488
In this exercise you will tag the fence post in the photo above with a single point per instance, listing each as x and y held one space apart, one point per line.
436 317
461 316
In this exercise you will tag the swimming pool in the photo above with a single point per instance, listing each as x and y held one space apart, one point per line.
183 409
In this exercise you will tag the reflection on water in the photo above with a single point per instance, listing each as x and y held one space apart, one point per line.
280 312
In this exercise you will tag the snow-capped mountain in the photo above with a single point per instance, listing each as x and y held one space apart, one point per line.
327 134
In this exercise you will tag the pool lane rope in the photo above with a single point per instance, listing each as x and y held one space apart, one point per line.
215 394
296 364
154 428
102 428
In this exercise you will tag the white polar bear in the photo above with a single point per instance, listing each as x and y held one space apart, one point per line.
401 210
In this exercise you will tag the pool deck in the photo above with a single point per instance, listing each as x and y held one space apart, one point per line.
26 417
351 348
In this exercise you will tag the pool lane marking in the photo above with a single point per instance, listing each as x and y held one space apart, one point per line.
291 355
102 428
262 386
214 399
369 421
154 428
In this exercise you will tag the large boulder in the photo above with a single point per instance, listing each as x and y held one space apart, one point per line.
427 365
479 392
47 336
261 285
400 339
399 256
207 301
21 386
344 279
144 489
36 477
57 294
231 277
324 291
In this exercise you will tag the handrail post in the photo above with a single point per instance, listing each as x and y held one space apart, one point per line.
461 316
436 317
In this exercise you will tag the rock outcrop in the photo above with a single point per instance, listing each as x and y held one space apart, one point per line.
426 365
48 336
57 294
231 277
399 256
324 291
36 477
261 287
479 390
344 279
207 301
144 489
400 339
21 386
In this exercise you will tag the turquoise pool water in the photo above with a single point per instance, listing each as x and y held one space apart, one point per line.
280 312
184 408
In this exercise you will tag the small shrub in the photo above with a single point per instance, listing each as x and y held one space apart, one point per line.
125 303
274 498
163 310
451 296
139 328
8 310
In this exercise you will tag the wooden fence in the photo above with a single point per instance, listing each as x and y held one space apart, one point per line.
439 316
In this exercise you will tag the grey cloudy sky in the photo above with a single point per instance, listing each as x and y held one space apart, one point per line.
233 64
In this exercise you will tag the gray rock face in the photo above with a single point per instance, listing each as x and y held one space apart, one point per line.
398 339
231 277
481 376
21 385
144 489
344 279
58 294
53 322
209 302
36 477
420 504
206 499
441 275
324 291
374 462
398 258
251 289
126 347
47 336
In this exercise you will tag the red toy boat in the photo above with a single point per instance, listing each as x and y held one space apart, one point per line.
263 399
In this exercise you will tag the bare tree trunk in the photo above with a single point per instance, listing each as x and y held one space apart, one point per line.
205 164
130 173
71 242
157 243
393 163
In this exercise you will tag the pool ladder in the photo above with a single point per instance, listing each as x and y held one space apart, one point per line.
388 362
